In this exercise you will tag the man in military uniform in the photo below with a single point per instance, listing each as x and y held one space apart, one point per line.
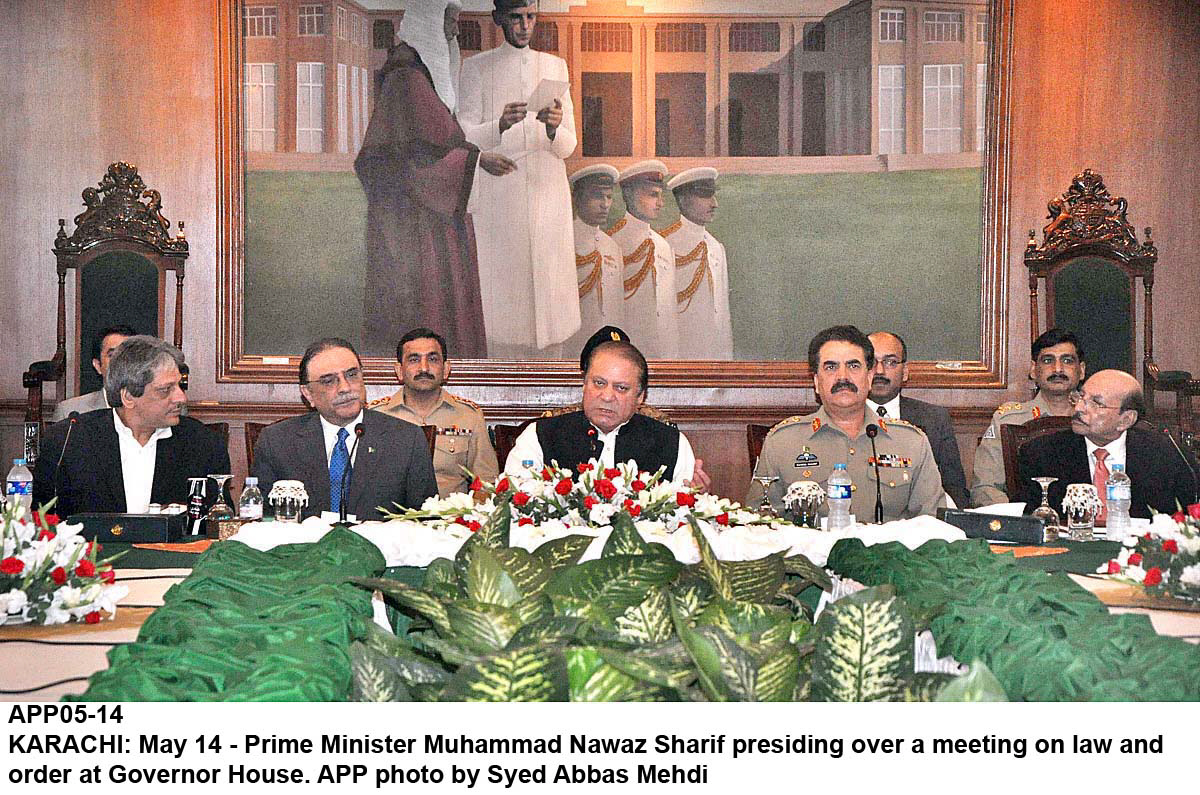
598 260
808 447
1057 369
422 366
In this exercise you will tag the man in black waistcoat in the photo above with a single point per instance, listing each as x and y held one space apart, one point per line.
609 427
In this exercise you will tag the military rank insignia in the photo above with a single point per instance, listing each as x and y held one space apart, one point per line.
1037 412
807 460
816 424
890 460
454 430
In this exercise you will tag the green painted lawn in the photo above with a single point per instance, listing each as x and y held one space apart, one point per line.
894 250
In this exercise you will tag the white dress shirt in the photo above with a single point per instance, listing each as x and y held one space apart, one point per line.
137 464
892 407
330 432
1116 453
528 448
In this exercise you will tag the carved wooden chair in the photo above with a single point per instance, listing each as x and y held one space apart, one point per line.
1013 436
756 436
1090 260
645 409
121 252
504 437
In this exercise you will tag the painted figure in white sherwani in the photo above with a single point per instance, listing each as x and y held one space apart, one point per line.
650 299
523 221
597 259
701 270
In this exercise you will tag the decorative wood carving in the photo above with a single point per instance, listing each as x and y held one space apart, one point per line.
121 206
1087 214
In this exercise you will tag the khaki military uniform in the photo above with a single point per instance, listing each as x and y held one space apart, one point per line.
462 439
987 474
808 447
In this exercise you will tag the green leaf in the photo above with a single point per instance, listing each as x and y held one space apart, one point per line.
709 563
494 532
977 684
648 622
488 582
926 686
531 673
809 572
528 572
756 580
654 669
614 583
551 629
563 552
483 628
412 667
593 679
580 608
452 652
442 580
416 600
750 623
864 648
373 678
691 595
626 540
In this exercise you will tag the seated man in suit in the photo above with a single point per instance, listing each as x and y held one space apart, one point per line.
1104 431
103 347
387 462
609 427
885 399
141 451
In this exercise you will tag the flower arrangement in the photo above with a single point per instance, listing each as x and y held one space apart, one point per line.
49 574
1166 559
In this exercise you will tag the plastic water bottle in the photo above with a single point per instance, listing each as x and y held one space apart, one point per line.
838 498
18 487
1117 494
250 506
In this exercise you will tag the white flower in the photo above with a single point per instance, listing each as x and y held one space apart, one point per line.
55 615
1190 576
710 504
1134 573
601 513
13 602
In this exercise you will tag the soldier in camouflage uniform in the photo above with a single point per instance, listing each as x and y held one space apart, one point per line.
1057 369
807 447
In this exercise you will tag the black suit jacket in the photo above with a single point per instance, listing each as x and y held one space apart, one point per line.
1159 475
91 478
935 421
391 464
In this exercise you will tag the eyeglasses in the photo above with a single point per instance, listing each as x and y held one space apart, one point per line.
891 362
330 381
1078 397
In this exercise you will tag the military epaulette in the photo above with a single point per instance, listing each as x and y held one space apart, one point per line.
380 403
672 229
789 421
894 422
617 227
1007 408
466 402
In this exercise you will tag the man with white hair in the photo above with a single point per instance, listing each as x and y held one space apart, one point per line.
701 270
522 223
417 169
651 316
597 258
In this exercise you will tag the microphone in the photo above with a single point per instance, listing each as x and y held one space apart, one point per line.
594 444
1166 431
872 432
73 419
358 432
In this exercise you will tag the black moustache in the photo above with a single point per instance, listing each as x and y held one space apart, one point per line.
840 385
1058 378
879 379
1077 416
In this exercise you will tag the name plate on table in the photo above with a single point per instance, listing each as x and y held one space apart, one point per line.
996 528
132 528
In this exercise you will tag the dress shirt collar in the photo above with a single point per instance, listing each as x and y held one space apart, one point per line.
125 432
692 226
609 454
524 53
443 400
892 406
635 224
330 432
1115 448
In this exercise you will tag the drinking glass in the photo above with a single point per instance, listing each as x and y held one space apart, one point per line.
1048 515
764 505
221 509
803 503
288 499
1081 505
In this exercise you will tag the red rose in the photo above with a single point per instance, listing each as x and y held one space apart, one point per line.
92 617
476 484
611 473
85 568
723 518
605 488
590 502
521 498
637 486
45 535
502 486
524 520
1153 576
583 468
108 576
11 566
1148 537
1194 510
547 474
1170 545
474 526
1114 567
1135 559
563 487
45 520
634 509
91 547
1178 517
59 575
684 499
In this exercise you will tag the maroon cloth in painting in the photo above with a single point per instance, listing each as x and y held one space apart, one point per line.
417 168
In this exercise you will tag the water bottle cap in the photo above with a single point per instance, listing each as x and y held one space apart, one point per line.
1118 467
251 481
18 462
528 462
839 466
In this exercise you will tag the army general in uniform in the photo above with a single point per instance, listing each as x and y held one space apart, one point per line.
462 442
807 447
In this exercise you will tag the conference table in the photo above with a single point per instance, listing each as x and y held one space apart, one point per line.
49 663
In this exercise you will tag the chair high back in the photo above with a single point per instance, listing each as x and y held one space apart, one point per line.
1013 436
121 250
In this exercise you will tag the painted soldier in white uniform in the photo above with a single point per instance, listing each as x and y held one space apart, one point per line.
597 258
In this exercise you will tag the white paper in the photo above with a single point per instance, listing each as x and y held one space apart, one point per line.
546 92
1001 509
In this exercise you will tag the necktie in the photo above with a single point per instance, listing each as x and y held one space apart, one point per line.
339 462
881 411
1100 481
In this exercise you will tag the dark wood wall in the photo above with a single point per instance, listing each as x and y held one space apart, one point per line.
1106 84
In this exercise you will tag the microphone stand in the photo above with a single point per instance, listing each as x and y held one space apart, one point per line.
358 433
73 419
872 432
1166 430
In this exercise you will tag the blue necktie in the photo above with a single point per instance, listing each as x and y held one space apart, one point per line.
339 462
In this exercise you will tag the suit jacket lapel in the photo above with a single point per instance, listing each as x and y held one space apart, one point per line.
310 451
164 468
366 467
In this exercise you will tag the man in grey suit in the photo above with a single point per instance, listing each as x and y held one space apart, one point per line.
103 347
887 380
385 462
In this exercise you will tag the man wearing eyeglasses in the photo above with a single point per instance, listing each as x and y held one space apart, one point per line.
887 381
1105 431
1056 369
387 463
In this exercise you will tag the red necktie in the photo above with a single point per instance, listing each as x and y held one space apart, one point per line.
1100 481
